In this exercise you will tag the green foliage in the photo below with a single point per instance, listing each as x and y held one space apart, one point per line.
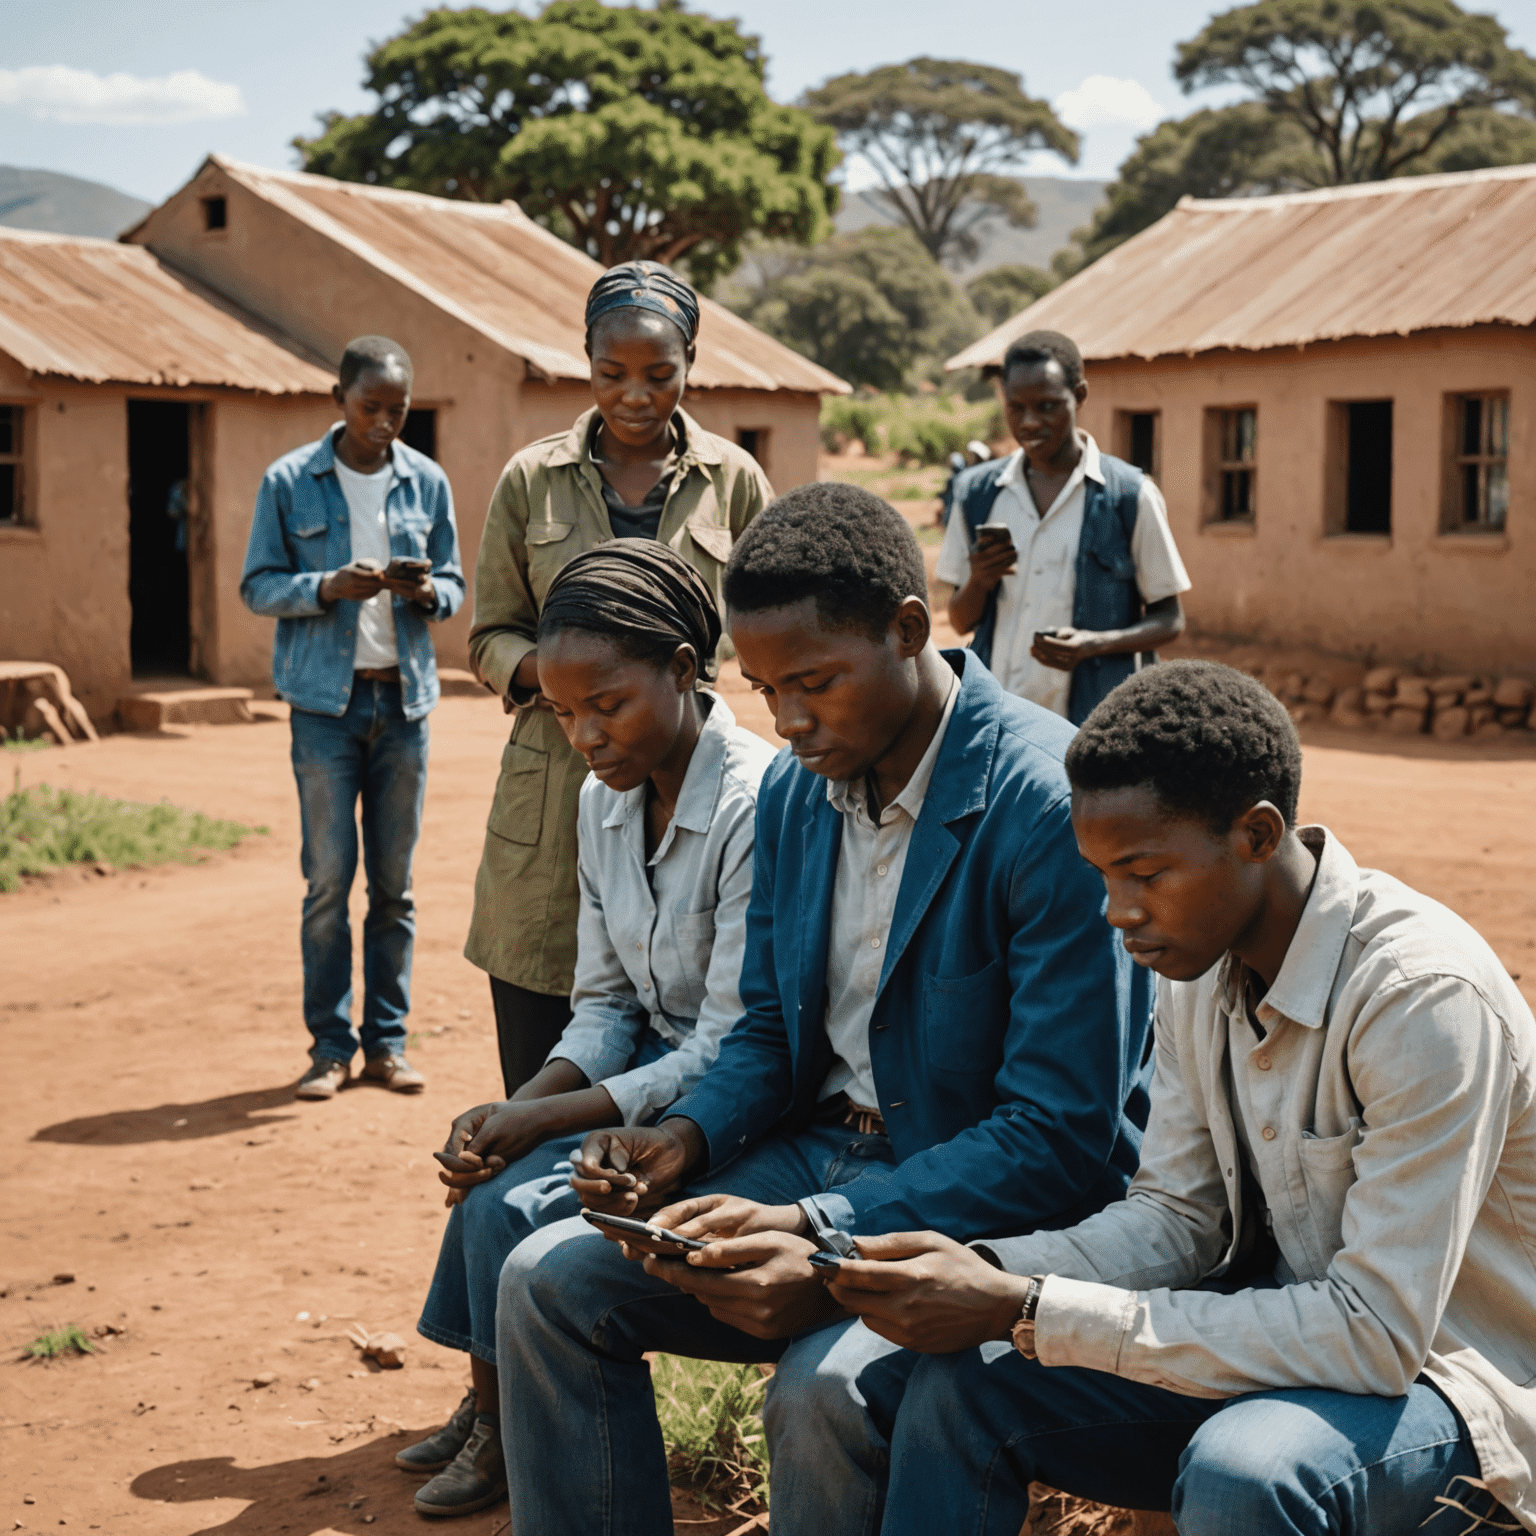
632 133
923 429
1002 292
873 307
20 743
43 829
942 135
68 1340
711 1424
1374 85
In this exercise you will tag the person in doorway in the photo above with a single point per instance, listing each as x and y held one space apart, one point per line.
638 466
937 1026
1314 1313
354 551
1061 568
665 867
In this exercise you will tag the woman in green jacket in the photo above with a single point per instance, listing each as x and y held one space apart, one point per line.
634 466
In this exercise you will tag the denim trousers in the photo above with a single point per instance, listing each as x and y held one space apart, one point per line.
374 754
969 1432
494 1217
575 1319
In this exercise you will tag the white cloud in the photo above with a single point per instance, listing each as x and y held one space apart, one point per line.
1101 101
79 96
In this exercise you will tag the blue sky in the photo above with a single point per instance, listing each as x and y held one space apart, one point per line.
134 94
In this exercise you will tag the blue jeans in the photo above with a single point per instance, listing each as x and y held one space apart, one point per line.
372 752
974 1429
574 1320
533 1192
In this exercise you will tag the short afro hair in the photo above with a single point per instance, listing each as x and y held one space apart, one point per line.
1035 347
373 354
840 544
1207 740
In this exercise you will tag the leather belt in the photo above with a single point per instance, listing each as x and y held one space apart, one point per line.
378 674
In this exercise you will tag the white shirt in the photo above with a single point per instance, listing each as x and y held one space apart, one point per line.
869 865
366 495
1391 1119
1042 592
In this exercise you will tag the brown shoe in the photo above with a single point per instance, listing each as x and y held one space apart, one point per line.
324 1077
395 1072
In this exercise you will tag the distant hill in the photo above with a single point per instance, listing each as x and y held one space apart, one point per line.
1064 205
66 205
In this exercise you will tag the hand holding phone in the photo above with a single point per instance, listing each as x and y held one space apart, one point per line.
990 535
644 1230
407 568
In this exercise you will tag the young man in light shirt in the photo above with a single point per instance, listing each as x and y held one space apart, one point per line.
1314 1313
1076 578
353 549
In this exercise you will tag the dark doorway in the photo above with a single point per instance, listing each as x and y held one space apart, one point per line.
420 432
1143 441
159 463
1368 497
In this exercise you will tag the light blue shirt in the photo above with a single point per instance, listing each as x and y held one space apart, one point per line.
659 942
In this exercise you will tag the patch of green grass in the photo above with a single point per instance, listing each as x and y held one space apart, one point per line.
43 829
711 1422
20 743
68 1340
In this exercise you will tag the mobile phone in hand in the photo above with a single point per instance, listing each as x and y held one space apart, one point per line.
652 1234
824 1260
407 568
989 535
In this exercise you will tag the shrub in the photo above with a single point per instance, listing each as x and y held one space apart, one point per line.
711 1423
846 419
68 1340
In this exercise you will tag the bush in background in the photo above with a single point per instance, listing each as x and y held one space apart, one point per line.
921 429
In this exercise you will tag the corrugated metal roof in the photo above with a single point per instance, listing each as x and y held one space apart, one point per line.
494 268
109 313
1380 259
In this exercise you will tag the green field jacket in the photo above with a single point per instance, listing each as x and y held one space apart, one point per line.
548 508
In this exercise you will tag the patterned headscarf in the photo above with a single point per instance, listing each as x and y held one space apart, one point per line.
645 285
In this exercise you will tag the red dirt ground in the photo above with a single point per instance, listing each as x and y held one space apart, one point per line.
154 1149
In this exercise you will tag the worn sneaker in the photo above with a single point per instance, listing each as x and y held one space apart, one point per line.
324 1077
395 1072
475 1478
442 1445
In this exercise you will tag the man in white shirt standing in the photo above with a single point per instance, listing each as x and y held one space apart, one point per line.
353 550
1062 566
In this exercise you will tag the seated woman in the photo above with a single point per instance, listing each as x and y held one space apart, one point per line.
665 832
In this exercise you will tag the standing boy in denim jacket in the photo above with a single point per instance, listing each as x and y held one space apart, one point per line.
353 549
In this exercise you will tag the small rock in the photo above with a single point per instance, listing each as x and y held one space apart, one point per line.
265 1379
1478 715
1411 692
101 869
1318 690
1377 703
311 1385
369 1519
302 1317
1381 679
1509 716
1477 694
463 1013
1512 693
176 1124
64 1278
1450 723
1440 687
1489 730
27 1498
1405 722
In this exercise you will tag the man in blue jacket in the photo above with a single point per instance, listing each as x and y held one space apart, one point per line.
937 1030
353 551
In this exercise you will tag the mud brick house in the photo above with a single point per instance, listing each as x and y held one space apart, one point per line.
1336 391
191 355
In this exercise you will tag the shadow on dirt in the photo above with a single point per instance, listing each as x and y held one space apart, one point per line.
174 1122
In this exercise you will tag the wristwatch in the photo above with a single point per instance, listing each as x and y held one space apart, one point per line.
1024 1329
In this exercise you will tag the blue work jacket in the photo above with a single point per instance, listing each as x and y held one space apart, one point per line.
300 532
1010 1033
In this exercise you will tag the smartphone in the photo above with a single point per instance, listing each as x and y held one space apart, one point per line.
402 567
633 1228
992 533
824 1261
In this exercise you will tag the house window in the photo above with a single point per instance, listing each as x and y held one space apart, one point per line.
1360 467
12 467
755 441
1138 439
420 431
1232 438
1478 482
215 213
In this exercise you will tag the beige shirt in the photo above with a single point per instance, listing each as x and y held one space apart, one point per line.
1042 591
870 860
547 508
1391 1109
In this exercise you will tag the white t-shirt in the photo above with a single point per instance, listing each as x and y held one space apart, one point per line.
366 495
1041 593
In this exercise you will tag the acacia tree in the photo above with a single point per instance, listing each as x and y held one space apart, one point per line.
632 133
1375 85
943 136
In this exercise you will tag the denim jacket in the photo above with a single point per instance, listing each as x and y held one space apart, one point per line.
300 532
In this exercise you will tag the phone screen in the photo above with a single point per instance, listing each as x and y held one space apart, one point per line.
644 1229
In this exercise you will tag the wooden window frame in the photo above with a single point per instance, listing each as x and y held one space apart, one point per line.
1457 461
1219 466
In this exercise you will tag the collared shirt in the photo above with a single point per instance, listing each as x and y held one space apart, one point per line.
660 940
1391 1112
1041 593
869 865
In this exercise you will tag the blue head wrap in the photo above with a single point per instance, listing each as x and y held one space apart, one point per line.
645 285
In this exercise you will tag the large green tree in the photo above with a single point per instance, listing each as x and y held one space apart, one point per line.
1340 91
947 139
872 306
632 133
1001 292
